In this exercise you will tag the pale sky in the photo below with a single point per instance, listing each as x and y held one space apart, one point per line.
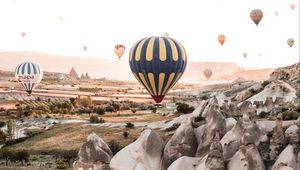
100 24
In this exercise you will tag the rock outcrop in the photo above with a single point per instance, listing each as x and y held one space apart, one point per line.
214 121
287 158
93 154
182 143
144 153
73 73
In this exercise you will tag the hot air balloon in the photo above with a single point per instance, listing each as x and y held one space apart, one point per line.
221 39
291 42
23 34
292 6
119 50
166 34
207 73
29 75
245 55
85 47
276 13
157 63
256 16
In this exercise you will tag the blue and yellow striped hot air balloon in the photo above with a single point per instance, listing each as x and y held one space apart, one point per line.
157 63
29 75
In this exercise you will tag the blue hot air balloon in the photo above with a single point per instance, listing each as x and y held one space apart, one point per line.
157 63
29 75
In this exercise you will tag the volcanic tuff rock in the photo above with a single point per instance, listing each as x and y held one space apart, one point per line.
145 153
182 143
73 73
94 154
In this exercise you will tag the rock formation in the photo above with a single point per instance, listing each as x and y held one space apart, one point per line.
287 158
145 153
73 73
182 143
93 154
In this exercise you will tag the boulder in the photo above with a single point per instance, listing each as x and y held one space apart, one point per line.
182 143
144 153
293 134
246 158
93 154
286 158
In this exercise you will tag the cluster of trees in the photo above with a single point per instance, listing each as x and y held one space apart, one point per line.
21 156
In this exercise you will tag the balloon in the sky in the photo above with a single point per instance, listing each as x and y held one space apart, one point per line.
245 55
256 16
276 13
207 73
157 63
85 47
291 42
23 34
260 54
29 75
61 18
119 50
166 34
221 39
292 6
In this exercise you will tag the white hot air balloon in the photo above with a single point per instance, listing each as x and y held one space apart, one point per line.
29 75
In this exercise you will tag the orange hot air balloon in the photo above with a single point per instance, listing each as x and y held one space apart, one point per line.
276 13
293 6
85 47
207 73
245 55
119 50
23 34
221 39
166 34
256 15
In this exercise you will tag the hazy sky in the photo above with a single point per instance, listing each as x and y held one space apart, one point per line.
100 24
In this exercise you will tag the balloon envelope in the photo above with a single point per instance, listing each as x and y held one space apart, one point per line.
157 63
291 42
119 50
85 47
23 34
166 34
256 15
207 73
221 39
245 55
29 75
293 6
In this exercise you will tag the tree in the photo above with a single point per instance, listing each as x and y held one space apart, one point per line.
2 136
7 155
22 156
11 128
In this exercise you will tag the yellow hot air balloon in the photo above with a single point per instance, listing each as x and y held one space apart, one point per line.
292 6
256 16
23 34
291 42
221 39
245 55
119 50
84 47
166 34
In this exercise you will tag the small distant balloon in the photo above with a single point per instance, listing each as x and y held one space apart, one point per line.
276 13
260 54
293 6
166 34
119 50
221 39
23 34
245 55
85 47
291 42
256 15
207 73
61 18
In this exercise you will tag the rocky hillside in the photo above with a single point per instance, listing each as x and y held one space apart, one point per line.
242 125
